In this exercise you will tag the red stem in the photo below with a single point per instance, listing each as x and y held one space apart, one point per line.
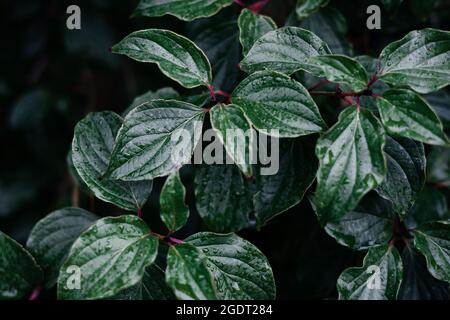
169 240
258 6
35 294
318 85
212 93
139 213
372 81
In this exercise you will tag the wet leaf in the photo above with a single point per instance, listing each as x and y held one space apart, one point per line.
342 69
236 134
351 163
240 271
187 10
20 273
223 198
92 146
177 57
285 50
109 257
421 60
378 279
433 241
406 114
306 7
431 205
188 275
52 237
273 101
174 212
156 139
252 27
405 175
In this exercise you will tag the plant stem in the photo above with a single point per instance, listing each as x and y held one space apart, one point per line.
139 212
212 93
35 294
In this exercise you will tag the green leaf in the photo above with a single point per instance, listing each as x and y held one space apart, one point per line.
276 193
20 273
431 205
186 10
381 263
165 93
421 60
342 69
405 113
177 57
174 212
286 50
223 197
188 275
418 283
253 26
110 256
51 238
433 241
220 42
440 102
240 271
271 100
351 163
331 26
306 7
405 173
235 133
156 139
92 146
369 225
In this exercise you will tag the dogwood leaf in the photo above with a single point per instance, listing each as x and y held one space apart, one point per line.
252 27
174 212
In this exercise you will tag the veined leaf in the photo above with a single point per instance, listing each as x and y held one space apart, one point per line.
186 10
240 271
271 100
20 273
351 163
433 241
108 257
188 275
378 279
252 27
405 113
166 93
370 224
405 175
421 60
223 197
174 212
177 57
285 50
236 134
92 146
306 7
342 69
156 139
51 239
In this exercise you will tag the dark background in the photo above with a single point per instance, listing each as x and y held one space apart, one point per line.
50 77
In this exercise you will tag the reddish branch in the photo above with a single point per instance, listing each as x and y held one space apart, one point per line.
167 239
255 7
35 294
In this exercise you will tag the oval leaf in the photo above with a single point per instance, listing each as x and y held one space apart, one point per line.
420 60
92 146
351 163
174 212
253 26
286 50
273 101
186 10
405 113
177 57
342 69
378 279
306 7
20 273
156 139
433 241
405 173
109 257
51 239
239 269
235 133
